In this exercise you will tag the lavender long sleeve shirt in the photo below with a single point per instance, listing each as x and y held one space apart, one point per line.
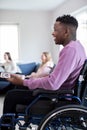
64 75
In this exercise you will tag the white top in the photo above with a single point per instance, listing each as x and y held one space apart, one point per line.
10 67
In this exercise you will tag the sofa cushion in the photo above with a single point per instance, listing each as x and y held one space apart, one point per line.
27 68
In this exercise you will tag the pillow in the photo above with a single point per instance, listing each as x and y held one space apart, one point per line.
1 69
27 68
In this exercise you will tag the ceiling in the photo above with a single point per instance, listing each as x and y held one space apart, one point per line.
30 4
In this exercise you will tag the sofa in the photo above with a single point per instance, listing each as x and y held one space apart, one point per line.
26 69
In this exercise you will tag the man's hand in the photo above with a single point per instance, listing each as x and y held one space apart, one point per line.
15 79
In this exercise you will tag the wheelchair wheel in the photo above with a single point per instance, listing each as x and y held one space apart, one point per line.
69 117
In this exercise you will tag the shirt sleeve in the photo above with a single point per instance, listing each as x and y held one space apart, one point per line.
64 67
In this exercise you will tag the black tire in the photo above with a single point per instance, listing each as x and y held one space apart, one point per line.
69 117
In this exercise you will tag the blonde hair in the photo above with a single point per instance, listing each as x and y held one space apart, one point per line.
48 56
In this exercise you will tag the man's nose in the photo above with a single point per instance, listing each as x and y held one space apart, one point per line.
53 33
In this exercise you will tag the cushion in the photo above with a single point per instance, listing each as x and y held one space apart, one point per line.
27 68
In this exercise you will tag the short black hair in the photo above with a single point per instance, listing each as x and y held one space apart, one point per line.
68 20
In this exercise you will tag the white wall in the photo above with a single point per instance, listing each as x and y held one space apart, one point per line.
69 6
34 32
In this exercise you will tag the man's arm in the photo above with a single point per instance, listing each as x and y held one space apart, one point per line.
66 64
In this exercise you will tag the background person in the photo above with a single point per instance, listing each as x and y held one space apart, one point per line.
45 67
9 66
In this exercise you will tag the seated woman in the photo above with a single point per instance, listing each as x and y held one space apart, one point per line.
45 67
9 65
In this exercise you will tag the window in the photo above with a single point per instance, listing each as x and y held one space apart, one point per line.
9 40
82 28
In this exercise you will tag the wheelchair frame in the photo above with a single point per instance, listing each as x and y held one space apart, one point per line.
65 117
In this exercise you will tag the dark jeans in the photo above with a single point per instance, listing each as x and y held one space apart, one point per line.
16 96
20 95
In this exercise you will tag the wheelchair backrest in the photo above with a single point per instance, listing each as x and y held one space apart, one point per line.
82 81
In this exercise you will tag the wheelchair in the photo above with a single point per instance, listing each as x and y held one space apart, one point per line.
52 110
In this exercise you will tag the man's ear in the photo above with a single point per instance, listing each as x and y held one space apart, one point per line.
67 31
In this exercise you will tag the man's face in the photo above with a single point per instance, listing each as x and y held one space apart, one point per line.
59 33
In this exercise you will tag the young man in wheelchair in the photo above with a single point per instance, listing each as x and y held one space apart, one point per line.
65 73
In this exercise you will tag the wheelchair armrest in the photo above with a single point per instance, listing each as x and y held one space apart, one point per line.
58 92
